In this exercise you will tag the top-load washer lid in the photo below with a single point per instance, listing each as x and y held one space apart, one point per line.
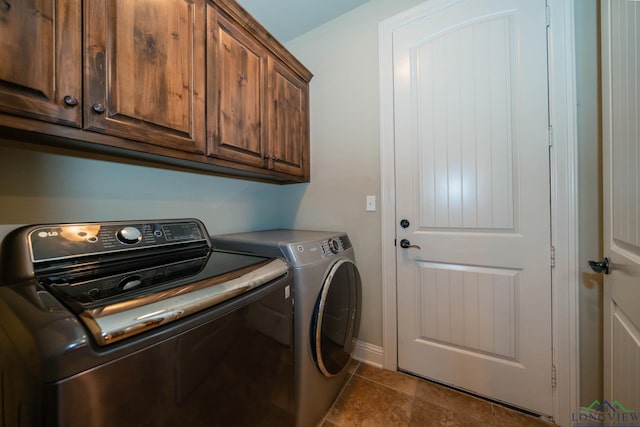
124 278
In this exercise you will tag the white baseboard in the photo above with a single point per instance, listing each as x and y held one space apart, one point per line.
368 353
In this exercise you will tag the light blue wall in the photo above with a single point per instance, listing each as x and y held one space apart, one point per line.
49 185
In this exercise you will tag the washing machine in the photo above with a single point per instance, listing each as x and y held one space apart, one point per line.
327 301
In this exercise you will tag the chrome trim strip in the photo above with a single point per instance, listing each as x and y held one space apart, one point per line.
326 285
122 320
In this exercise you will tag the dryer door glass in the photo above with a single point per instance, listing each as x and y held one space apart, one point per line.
336 317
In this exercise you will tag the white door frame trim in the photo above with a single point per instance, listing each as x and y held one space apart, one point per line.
564 198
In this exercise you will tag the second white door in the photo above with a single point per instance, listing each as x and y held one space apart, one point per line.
472 183
621 163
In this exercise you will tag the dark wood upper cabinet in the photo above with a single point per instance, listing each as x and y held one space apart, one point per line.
40 60
195 83
258 95
144 71
236 86
288 121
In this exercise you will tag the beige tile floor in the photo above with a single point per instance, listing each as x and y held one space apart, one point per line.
376 397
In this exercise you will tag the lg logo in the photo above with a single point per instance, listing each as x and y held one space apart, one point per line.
44 234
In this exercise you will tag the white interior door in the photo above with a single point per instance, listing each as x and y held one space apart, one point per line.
621 168
472 179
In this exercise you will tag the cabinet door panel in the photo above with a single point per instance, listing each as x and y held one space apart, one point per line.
236 88
40 59
145 71
288 121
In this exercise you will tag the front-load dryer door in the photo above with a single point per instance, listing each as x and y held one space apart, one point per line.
336 317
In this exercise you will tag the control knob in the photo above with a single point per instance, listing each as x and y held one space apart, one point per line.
333 246
131 282
129 235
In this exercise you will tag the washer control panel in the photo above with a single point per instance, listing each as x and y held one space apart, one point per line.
129 235
72 240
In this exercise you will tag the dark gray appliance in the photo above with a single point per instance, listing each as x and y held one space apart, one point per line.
142 324
327 292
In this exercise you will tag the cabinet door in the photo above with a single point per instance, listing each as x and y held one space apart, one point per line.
236 92
144 71
41 59
288 121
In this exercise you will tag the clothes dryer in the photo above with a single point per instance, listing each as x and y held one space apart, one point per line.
327 302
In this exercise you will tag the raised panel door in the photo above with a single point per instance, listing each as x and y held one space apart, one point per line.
41 60
288 121
473 181
621 211
144 71
236 92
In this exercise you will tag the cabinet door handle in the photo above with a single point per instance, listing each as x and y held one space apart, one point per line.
70 101
266 157
98 108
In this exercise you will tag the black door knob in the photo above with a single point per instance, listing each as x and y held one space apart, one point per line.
600 266
406 244
404 223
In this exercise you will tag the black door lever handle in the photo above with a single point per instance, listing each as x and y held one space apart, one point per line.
601 266
404 243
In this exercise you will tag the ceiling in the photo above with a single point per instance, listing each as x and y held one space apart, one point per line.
287 19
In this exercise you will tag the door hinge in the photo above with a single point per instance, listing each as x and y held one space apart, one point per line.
553 256
550 136
554 374
548 16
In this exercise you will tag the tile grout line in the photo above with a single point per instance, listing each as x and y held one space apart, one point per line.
412 396
383 385
326 415
493 414
413 403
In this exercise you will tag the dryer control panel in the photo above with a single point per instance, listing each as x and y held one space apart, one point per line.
299 247
335 245
310 252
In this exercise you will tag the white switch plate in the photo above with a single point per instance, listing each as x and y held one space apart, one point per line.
371 203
